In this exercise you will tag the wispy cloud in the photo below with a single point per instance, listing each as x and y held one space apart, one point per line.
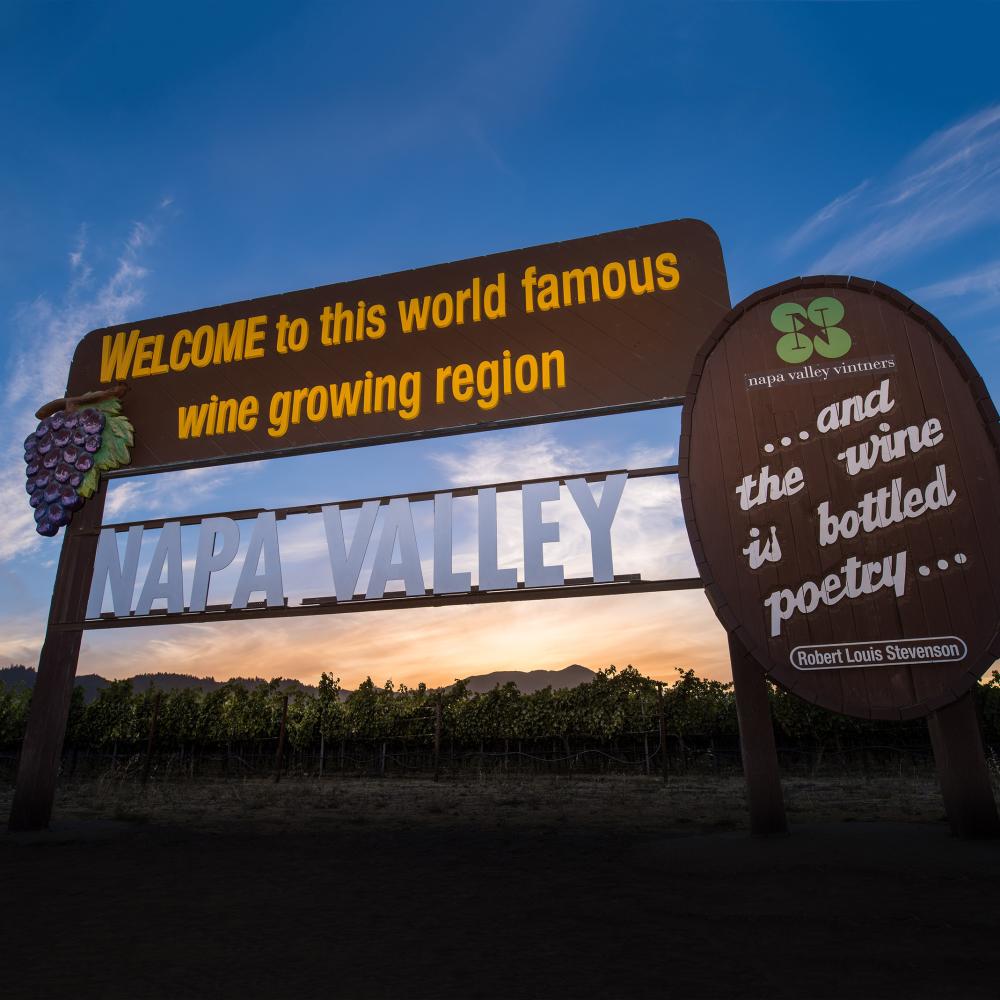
826 215
509 455
949 185
983 281
171 493
48 330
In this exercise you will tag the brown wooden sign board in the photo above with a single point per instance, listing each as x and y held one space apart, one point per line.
593 325
604 324
840 475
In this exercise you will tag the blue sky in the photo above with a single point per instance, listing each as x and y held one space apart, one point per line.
158 158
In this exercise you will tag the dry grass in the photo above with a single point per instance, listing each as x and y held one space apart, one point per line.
606 803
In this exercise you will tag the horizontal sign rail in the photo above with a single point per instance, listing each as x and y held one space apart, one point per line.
329 606
280 513
409 437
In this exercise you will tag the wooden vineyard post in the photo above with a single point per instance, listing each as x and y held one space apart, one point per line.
760 758
661 714
645 740
962 770
280 752
151 742
437 738
38 767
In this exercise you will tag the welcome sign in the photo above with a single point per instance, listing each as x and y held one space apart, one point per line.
839 467
841 481
593 325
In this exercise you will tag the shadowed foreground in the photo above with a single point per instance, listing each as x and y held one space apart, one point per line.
367 889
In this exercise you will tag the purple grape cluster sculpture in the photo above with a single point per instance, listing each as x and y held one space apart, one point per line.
65 455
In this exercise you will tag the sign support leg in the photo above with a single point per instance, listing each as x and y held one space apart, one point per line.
760 758
50 700
962 770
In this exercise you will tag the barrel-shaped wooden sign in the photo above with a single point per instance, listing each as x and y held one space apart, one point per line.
840 474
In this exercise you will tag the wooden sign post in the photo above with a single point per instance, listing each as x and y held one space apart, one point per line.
840 475
38 767
606 324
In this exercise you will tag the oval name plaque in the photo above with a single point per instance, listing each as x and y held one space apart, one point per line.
840 475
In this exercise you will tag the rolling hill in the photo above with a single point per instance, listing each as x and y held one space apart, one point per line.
527 681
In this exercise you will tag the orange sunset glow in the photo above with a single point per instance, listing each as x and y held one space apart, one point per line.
656 633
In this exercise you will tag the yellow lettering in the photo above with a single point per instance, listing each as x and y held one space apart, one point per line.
191 420
159 366
461 383
413 315
556 360
255 337
495 298
488 384
669 276
613 280
462 296
548 292
143 357
345 399
201 349
229 343
299 398
443 310
576 276
116 355
443 374
179 362
526 382
409 395
280 403
225 421
376 322
246 420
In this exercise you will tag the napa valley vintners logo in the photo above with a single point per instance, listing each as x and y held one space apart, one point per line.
815 347
809 329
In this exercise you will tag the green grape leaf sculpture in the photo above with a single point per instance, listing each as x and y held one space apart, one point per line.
76 440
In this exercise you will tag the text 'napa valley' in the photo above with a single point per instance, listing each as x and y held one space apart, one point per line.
396 559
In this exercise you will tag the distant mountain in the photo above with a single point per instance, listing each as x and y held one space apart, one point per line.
93 684
17 675
529 681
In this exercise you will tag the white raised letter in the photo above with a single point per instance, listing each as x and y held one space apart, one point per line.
347 567
446 580
491 576
168 550
264 540
208 561
398 522
536 533
599 518
108 568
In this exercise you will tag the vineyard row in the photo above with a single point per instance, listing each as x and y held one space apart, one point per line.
620 720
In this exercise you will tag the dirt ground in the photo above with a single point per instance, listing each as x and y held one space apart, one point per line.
544 888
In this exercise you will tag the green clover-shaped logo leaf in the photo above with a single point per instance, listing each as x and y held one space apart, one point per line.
797 344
